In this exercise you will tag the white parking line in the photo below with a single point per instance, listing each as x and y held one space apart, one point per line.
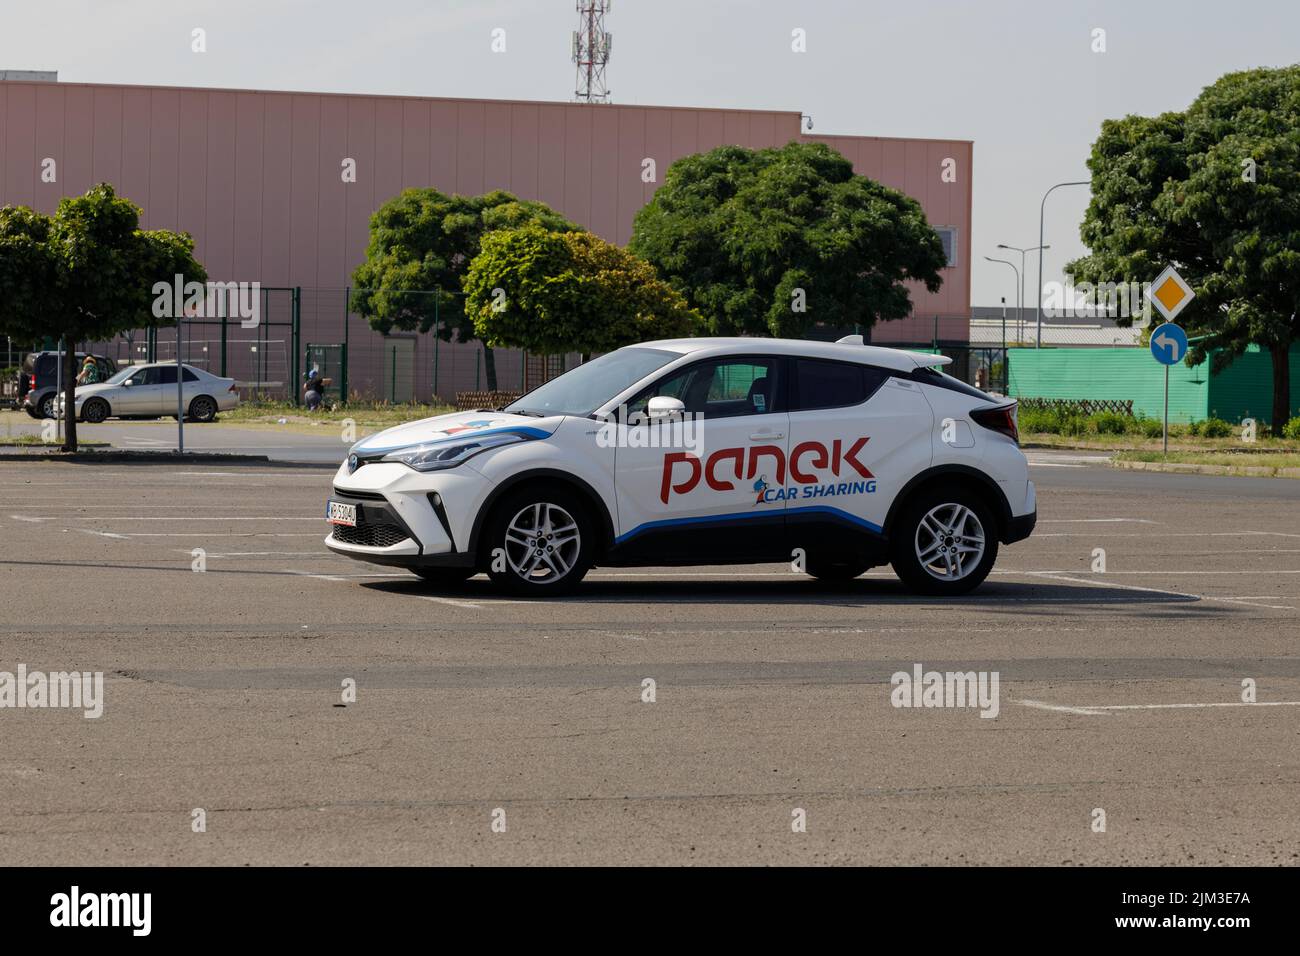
1097 521
1099 710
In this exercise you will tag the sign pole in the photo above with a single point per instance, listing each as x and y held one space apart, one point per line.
180 399
1166 411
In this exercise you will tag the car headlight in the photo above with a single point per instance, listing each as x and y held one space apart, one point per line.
436 456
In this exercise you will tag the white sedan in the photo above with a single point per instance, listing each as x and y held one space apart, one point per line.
148 391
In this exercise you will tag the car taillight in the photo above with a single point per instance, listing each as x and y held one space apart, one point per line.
1001 420
33 383
233 388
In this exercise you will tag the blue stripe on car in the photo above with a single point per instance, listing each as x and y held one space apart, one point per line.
463 436
745 515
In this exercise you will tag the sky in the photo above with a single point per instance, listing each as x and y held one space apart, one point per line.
1018 77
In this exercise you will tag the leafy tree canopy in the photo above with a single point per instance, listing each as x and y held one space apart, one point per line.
423 239
569 292
85 273
740 230
1214 191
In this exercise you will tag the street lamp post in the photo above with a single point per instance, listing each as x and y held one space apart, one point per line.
1019 291
1042 207
1024 274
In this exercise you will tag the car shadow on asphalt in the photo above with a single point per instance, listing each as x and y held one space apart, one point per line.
1037 596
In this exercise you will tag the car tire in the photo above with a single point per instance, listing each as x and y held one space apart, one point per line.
46 408
445 577
539 541
33 411
202 409
94 411
944 541
835 569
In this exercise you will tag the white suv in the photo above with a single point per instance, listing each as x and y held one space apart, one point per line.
833 456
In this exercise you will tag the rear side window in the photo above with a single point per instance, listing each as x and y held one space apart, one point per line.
825 384
46 366
166 375
189 376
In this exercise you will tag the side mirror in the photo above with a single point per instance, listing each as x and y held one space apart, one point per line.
661 406
127 383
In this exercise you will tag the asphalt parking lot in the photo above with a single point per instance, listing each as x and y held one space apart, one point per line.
1119 691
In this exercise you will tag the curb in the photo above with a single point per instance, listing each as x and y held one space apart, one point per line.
141 457
1185 468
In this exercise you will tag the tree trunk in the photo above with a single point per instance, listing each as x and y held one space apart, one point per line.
1281 387
490 368
69 392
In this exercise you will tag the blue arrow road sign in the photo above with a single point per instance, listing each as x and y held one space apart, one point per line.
1169 344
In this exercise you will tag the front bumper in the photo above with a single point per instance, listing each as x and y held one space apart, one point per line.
404 518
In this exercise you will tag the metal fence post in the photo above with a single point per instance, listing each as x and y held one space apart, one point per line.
224 320
437 323
296 343
343 376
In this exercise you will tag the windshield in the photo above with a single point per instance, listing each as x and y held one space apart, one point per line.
592 384
122 376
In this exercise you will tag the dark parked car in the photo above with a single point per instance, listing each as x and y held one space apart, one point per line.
40 378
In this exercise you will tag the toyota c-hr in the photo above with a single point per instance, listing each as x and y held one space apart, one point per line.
836 457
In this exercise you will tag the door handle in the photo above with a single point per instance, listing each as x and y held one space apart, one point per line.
766 436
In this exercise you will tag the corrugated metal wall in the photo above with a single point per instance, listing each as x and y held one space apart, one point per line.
256 177
1243 390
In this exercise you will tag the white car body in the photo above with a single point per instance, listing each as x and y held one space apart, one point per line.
762 478
137 391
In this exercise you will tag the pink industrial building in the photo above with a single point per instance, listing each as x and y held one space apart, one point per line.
256 178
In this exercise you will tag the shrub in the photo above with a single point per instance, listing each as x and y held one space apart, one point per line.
1291 429
1039 420
1216 428
1110 423
1074 425
1151 427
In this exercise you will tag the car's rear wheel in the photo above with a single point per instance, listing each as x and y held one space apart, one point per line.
445 577
94 411
539 541
944 541
46 407
202 409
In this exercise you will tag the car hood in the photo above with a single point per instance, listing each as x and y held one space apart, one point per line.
455 427
83 390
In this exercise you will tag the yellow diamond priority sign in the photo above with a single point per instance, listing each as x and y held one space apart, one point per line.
1170 293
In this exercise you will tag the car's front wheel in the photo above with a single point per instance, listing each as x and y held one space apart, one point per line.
539 542
944 542
94 411
202 409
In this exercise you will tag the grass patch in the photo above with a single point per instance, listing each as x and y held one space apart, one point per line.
1229 458
364 414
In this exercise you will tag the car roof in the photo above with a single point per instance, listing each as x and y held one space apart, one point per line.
844 351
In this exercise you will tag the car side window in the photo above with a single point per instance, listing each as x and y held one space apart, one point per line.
721 388
146 376
826 384
166 375
189 376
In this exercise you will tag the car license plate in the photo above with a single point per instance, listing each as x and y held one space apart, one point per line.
340 513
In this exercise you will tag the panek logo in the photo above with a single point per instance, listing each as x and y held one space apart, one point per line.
763 460
103 909
76 690
951 689
213 300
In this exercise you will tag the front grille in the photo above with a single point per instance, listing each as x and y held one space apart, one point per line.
370 535
362 495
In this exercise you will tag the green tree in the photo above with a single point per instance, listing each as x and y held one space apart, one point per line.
739 231
569 292
1214 192
422 240
85 273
